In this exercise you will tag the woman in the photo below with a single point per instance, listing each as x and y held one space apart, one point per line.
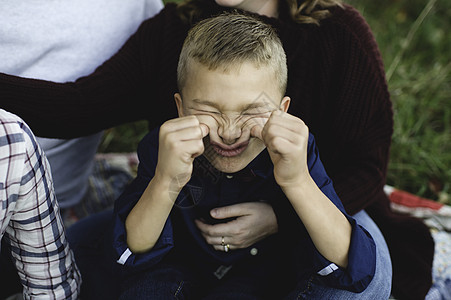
336 82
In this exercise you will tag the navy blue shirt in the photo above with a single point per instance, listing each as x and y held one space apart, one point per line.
209 188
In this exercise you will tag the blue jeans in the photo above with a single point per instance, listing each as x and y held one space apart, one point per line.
10 281
91 241
169 281
379 287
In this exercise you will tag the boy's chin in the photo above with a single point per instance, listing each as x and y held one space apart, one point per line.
229 167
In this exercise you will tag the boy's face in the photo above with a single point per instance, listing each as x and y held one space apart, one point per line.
230 104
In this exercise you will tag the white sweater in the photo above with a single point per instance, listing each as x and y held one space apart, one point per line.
62 40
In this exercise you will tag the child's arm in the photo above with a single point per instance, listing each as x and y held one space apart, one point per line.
286 138
180 141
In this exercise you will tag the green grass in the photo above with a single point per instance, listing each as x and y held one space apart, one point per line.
124 138
415 41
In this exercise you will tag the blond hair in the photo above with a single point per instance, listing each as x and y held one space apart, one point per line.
303 12
229 40
311 11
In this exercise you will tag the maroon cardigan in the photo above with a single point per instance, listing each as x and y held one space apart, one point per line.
336 81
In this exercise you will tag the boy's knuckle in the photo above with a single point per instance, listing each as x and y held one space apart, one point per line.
172 140
193 120
273 144
166 127
273 132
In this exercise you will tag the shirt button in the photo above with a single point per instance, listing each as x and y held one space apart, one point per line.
254 251
229 176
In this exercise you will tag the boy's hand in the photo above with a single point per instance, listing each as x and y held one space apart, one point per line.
180 141
286 138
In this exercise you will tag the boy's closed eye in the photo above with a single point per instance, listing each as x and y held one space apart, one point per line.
207 111
257 112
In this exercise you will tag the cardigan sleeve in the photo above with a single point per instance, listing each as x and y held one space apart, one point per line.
112 95
362 121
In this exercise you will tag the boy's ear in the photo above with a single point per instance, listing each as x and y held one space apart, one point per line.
179 104
285 103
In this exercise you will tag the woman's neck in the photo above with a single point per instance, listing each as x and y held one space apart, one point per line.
269 8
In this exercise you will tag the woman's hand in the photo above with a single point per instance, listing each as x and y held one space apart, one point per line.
254 222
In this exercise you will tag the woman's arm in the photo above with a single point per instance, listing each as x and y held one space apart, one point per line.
358 134
119 91
70 109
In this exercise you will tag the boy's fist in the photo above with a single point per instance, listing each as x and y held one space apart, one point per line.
180 141
286 138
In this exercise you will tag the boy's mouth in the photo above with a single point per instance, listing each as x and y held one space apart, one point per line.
230 151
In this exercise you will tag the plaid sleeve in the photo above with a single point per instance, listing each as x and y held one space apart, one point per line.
30 220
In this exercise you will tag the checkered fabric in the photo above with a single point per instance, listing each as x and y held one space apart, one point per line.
30 221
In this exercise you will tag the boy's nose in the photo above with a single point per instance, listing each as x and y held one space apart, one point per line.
229 133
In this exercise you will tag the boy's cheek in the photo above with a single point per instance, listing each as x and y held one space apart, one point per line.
259 121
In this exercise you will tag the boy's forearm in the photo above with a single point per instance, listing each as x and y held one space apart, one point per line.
328 228
146 220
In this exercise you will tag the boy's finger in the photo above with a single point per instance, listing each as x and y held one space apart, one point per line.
205 129
184 134
195 148
256 131
287 121
179 124
207 120
277 131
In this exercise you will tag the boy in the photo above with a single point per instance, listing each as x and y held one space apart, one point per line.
31 225
232 124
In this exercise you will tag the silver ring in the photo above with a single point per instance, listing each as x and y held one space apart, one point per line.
226 248
222 242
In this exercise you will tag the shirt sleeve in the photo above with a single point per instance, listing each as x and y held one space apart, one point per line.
147 153
30 216
362 250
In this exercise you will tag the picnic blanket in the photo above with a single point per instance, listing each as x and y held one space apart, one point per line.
113 171
437 216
